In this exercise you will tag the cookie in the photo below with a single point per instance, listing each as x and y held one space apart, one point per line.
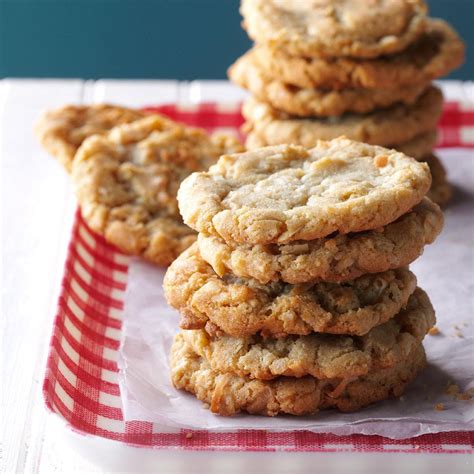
227 394
397 124
284 193
335 28
240 308
336 258
126 183
436 53
306 102
62 131
417 147
323 356
441 191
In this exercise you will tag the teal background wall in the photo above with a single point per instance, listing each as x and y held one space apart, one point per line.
165 39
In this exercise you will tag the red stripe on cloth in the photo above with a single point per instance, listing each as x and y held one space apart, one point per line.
88 355
97 273
81 398
82 372
202 115
448 137
98 310
92 330
96 292
87 407
454 116
138 433
99 253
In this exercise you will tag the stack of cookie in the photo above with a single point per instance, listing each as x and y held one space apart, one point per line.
324 69
297 296
126 166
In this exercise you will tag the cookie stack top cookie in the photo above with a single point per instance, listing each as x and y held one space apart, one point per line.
335 28
328 68
300 274
338 186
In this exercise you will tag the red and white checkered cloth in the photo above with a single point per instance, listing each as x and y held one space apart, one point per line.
81 380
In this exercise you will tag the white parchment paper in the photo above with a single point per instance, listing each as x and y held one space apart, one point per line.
445 271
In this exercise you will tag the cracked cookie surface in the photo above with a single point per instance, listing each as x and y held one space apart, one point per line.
126 183
284 193
322 356
227 394
239 308
62 131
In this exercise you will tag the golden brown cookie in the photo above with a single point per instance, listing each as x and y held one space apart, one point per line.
227 394
389 127
284 193
307 102
63 130
441 191
323 356
241 308
436 53
336 258
126 183
417 147
335 28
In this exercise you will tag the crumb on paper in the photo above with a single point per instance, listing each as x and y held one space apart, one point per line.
451 389
434 331
439 407
459 334
189 435
464 396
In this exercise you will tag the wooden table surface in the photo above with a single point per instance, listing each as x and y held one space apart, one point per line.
37 212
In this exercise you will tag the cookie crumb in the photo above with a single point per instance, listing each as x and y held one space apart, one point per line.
439 407
459 334
189 435
434 331
451 389
464 396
